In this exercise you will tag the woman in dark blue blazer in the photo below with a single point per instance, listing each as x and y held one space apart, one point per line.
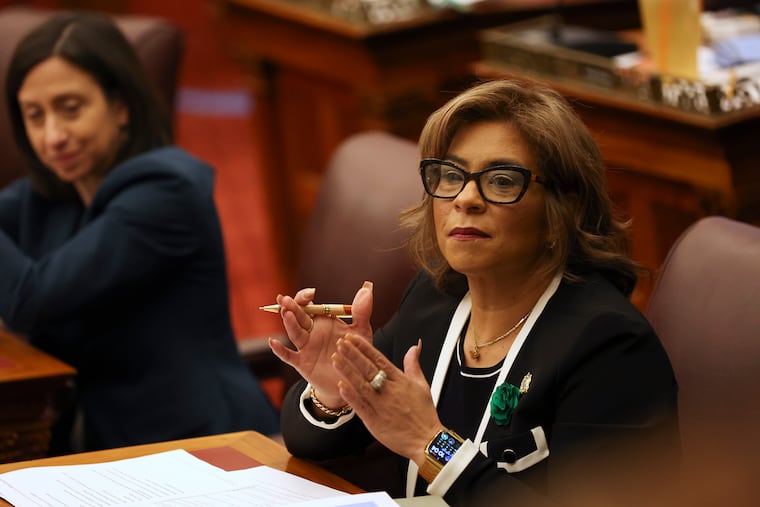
112 251
515 371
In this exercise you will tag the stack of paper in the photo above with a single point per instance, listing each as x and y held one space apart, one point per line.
171 479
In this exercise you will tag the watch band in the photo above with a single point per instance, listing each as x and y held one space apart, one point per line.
429 469
439 451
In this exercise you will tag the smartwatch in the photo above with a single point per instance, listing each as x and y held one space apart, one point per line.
438 452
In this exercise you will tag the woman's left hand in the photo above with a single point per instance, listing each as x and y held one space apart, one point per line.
400 414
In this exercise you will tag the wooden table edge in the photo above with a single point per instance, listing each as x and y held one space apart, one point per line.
250 443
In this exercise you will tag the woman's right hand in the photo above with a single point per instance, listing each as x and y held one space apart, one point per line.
315 338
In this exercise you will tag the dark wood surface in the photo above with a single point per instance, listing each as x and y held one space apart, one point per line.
318 79
667 167
30 384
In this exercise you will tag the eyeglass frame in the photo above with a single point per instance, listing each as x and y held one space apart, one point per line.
527 174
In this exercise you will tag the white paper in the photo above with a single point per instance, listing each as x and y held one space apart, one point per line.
377 499
173 478
261 486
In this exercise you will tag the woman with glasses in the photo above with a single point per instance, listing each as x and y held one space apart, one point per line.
515 364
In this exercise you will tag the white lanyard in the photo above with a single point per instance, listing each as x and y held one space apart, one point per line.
461 315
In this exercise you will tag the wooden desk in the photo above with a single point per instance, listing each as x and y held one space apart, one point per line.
667 168
30 382
318 78
230 451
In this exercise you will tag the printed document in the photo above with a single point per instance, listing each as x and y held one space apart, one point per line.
170 479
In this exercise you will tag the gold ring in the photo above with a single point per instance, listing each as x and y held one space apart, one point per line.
378 381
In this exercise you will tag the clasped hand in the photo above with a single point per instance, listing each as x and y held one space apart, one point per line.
315 339
339 361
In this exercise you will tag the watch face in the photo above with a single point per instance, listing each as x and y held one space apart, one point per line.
444 446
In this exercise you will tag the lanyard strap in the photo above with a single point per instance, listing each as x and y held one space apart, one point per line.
449 346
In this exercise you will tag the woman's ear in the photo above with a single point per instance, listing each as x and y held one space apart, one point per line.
120 110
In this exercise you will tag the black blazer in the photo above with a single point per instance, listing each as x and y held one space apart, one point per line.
598 371
132 291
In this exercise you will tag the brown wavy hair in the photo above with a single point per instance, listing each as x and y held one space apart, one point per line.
585 232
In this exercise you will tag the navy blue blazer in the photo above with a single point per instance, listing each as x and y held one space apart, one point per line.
132 292
599 379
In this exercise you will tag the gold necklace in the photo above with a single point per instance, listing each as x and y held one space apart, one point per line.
475 351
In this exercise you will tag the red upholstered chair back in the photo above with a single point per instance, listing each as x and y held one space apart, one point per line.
159 44
353 233
706 309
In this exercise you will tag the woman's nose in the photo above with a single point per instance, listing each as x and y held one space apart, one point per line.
470 195
55 132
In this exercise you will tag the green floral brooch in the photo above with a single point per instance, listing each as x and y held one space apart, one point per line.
504 400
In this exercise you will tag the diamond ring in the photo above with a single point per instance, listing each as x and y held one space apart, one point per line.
378 381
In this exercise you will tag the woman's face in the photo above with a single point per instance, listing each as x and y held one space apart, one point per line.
479 238
74 130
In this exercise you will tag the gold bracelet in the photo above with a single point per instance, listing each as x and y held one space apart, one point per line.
345 409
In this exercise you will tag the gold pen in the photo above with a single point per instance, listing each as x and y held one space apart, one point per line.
327 310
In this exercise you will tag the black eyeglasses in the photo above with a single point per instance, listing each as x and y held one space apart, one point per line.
503 184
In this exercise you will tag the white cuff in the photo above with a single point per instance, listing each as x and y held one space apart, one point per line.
340 421
527 461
